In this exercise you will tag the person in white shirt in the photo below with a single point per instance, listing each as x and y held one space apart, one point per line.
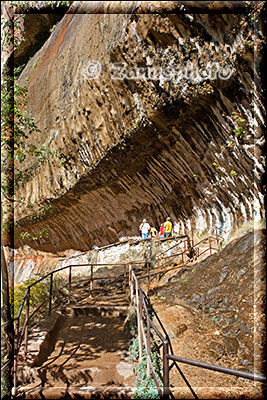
145 229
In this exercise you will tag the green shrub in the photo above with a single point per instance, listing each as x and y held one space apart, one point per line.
145 387
134 350
38 293
242 125
233 173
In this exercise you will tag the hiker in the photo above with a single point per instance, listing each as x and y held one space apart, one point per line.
145 229
161 231
167 227
153 232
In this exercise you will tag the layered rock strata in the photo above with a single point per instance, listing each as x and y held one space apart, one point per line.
152 115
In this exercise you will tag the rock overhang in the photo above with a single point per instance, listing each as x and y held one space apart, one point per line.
136 147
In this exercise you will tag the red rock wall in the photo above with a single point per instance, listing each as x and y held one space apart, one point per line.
137 148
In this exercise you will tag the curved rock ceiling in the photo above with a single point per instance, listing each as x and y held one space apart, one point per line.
188 146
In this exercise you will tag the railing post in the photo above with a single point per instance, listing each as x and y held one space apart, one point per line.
17 334
91 278
70 279
148 346
135 298
139 323
148 270
50 294
166 384
186 247
131 283
16 350
192 237
27 321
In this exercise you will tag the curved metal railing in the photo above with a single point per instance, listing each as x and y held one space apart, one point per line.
143 317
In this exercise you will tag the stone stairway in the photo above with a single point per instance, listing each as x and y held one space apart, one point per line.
82 351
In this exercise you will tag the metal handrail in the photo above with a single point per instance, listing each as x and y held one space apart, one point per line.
165 342
165 392
139 299
218 368
22 304
50 274
61 269
176 244
195 245
19 333
184 252
159 321
88 264
142 302
26 299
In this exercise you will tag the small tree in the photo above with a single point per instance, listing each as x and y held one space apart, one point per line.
16 127
7 191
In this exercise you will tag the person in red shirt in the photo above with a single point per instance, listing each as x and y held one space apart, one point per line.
161 231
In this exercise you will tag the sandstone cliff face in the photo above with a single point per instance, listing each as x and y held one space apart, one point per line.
189 148
36 29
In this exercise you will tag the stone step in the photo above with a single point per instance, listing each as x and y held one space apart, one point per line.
80 352
41 334
115 373
83 392
104 311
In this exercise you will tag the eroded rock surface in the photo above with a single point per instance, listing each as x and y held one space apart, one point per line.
222 299
131 148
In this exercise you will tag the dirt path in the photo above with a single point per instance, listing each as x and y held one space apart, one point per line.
213 313
89 355
196 337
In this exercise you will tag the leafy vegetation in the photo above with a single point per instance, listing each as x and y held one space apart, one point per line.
145 387
230 144
26 236
233 173
38 293
17 126
203 234
17 129
241 125
22 5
